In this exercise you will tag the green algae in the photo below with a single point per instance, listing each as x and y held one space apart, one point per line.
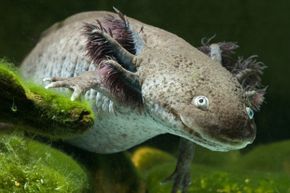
229 172
31 167
67 117
41 111
208 179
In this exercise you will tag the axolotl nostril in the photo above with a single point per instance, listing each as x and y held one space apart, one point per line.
143 81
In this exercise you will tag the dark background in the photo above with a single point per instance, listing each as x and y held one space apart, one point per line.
261 27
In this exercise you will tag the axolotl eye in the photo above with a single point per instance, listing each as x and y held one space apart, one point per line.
201 102
250 112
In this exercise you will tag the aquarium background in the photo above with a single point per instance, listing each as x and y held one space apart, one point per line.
260 27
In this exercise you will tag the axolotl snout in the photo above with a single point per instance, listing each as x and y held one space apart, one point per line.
144 81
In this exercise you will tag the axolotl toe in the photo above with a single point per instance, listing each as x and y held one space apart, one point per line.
143 81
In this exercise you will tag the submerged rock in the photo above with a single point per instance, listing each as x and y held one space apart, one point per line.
29 166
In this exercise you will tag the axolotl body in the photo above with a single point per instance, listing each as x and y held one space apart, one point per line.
143 81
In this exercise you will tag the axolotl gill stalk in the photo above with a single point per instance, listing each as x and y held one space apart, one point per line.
143 81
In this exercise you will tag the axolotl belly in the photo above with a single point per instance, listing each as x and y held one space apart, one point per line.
143 81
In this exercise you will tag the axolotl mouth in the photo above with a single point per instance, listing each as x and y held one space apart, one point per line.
218 139
212 133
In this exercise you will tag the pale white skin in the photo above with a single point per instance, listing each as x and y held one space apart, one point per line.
61 53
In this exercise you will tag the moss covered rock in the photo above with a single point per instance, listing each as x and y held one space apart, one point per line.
31 167
39 110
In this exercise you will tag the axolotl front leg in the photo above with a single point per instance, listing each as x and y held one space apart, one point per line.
99 79
91 80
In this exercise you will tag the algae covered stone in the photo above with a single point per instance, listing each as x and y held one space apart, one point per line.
32 167
39 110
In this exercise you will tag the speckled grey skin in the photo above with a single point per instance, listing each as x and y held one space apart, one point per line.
171 73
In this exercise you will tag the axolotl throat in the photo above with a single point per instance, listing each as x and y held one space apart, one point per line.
143 81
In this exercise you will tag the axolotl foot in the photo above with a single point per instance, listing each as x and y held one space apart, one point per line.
181 177
78 85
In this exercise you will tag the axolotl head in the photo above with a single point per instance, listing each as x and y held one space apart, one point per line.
208 98
200 99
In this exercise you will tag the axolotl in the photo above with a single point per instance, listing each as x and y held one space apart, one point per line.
143 81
